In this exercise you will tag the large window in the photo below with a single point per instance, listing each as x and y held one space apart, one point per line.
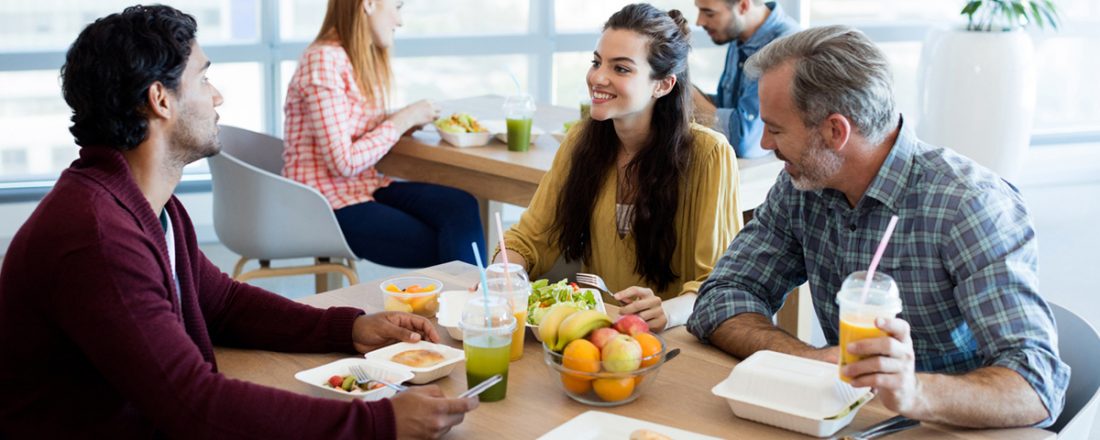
457 48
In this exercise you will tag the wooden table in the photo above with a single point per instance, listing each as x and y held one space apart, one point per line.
535 405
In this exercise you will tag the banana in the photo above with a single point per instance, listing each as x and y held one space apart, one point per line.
578 325
548 329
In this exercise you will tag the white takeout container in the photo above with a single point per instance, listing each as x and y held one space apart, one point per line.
318 377
421 375
463 140
450 311
791 392
599 306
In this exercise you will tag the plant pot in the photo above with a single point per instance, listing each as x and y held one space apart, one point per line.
977 95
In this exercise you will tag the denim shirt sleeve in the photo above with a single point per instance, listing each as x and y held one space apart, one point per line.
991 251
742 125
762 264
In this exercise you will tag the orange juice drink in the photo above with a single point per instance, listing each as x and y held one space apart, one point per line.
513 285
518 334
858 311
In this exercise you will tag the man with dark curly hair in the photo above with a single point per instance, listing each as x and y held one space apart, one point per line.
108 309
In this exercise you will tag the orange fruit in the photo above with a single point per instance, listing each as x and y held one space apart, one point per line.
650 346
613 390
581 355
574 384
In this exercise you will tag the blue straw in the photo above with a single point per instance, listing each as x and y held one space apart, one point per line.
484 282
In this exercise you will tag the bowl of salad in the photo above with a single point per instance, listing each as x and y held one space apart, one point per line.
544 295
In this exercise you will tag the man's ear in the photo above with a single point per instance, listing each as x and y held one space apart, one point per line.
664 86
158 102
742 7
836 130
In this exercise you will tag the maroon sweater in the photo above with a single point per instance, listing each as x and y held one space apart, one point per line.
95 342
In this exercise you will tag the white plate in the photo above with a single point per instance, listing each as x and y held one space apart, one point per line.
421 375
318 376
600 425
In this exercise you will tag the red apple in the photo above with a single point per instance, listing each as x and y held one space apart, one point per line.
599 337
630 324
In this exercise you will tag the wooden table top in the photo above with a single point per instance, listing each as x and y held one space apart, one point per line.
680 397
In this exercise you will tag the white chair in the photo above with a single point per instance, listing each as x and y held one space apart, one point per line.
1079 346
261 215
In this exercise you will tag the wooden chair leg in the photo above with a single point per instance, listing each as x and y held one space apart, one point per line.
239 267
321 279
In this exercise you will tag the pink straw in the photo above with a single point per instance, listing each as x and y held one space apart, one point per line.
878 256
503 252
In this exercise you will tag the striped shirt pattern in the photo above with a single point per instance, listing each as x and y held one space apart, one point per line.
964 255
334 136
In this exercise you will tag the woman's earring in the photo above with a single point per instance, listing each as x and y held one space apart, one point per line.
369 8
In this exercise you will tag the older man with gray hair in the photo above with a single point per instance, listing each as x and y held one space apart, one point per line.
975 345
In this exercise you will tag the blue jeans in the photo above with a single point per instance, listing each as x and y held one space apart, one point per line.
413 224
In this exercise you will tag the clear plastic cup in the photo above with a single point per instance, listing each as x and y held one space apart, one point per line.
515 287
519 114
487 324
857 317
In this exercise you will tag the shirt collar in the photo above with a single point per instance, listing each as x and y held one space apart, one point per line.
768 31
891 183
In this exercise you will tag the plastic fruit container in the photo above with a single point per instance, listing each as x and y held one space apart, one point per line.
604 388
419 295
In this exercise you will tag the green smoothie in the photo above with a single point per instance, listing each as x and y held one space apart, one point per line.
486 356
519 134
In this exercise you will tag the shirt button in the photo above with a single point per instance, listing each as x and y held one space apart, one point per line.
750 117
852 227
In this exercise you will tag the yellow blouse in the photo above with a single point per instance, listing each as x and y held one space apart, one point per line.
707 220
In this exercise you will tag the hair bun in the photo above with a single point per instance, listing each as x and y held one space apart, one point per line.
681 22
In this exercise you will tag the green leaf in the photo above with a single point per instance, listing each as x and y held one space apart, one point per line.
970 7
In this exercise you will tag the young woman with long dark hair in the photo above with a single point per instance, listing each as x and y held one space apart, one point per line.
638 193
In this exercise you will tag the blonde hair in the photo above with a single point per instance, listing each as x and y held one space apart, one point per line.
346 22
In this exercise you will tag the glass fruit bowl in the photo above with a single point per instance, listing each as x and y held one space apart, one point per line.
610 382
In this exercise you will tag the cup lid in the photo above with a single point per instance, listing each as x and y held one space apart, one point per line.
881 293
488 313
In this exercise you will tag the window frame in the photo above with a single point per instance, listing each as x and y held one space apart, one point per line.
540 44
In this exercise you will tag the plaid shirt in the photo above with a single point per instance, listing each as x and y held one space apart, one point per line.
964 256
334 137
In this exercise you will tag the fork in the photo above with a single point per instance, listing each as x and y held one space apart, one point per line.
593 280
361 376
888 426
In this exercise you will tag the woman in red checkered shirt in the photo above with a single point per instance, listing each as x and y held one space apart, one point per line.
338 128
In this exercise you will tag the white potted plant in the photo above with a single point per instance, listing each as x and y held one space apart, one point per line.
977 83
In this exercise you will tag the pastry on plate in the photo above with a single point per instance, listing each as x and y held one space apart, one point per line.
418 358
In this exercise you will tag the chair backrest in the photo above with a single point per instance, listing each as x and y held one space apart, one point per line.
1078 346
260 214
256 149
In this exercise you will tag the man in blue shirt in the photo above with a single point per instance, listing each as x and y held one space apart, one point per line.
975 345
747 25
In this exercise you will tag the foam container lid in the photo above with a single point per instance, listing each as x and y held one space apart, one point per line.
790 392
